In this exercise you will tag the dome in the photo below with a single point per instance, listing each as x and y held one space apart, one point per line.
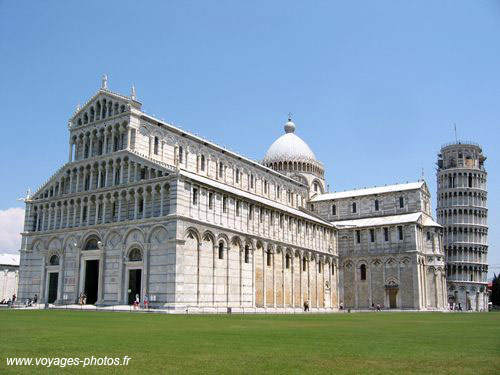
289 147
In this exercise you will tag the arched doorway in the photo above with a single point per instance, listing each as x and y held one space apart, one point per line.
53 279
90 271
134 266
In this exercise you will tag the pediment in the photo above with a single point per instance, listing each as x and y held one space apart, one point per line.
104 104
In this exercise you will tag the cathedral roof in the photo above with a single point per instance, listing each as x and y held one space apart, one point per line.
369 191
289 147
387 220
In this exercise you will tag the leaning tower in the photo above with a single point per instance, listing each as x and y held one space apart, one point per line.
461 210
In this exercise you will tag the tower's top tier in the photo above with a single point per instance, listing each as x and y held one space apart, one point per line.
461 154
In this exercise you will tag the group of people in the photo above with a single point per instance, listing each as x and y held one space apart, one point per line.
10 301
31 302
455 306
137 302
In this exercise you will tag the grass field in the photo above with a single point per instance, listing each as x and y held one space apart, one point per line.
358 343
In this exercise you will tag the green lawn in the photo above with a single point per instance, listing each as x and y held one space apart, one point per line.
357 343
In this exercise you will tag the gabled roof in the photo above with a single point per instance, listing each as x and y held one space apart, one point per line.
370 191
9 259
109 94
387 220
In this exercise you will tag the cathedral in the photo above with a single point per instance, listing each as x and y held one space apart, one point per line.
145 208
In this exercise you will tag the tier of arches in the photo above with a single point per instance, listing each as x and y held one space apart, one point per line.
99 175
101 140
141 202
101 109
454 234
314 168
477 254
452 180
467 273
462 198
462 216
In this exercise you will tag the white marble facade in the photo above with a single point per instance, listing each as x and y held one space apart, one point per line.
142 207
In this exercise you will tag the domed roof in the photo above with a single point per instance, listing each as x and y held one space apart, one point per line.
289 147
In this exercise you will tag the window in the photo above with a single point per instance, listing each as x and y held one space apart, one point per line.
143 173
372 235
281 220
91 244
247 254
358 236
334 210
221 250
287 261
333 269
312 207
221 170
250 211
181 152
320 267
261 214
376 205
237 176
354 207
401 202
54 260
84 216
362 271
400 233
135 255
237 208
265 187
470 181
278 192
210 201
428 236
386 234
156 146
268 258
141 205
224 204
117 176
195 196
315 187
304 264
251 181
202 162
113 210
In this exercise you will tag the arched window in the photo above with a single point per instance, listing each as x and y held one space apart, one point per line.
334 210
362 271
156 144
54 260
181 153
376 205
247 254
401 202
333 269
304 264
354 207
221 250
315 187
269 258
202 162
135 255
92 244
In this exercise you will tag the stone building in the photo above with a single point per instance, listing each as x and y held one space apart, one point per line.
9 275
390 249
462 210
142 207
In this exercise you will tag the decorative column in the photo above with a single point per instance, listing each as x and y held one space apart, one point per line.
136 193
99 176
70 156
144 198
104 199
120 198
161 201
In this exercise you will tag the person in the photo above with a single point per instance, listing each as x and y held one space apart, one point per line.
146 301
137 301
14 297
84 299
305 306
341 305
35 299
373 306
378 306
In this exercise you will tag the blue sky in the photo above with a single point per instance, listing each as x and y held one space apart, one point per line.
374 86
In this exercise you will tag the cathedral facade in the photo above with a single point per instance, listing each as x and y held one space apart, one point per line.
145 208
